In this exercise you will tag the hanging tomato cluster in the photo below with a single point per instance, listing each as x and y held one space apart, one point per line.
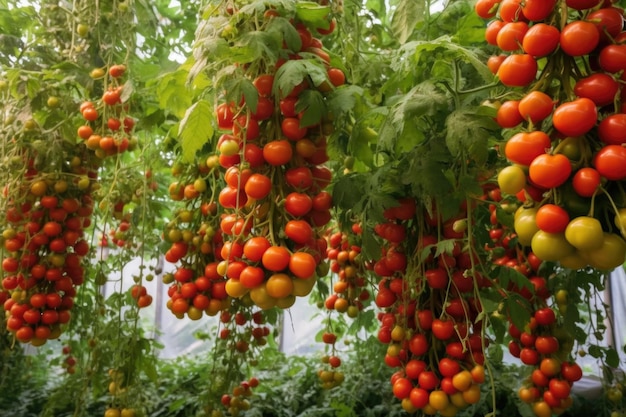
274 200
109 127
46 212
430 318
566 124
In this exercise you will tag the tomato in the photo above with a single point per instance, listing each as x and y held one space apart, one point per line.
529 356
300 178
336 77
264 84
491 32
299 231
586 182
585 233
428 380
255 247
559 388
302 265
541 40
448 367
571 371
292 130
537 10
511 35
298 204
612 129
225 116
438 400
264 109
579 38
582 4
279 286
276 258
248 126
494 62
511 11
610 161
437 278
522 148
551 246
111 97
486 9
402 388
518 70
443 329
549 171
545 316
90 114
258 186
277 152
599 87
525 225
117 70
609 21
575 118
508 114
288 106
419 397
608 256
612 58
418 343
552 218
536 106
253 155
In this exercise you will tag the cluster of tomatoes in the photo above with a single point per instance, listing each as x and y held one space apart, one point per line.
118 390
238 400
108 130
350 291
542 343
329 375
430 315
274 197
567 124
46 213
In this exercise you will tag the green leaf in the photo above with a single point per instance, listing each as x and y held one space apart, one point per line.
196 128
341 100
423 99
407 15
312 106
294 72
612 358
172 93
518 310
287 30
313 14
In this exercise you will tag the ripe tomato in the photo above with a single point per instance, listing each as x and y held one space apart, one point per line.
582 4
559 388
610 161
402 388
518 70
277 152
279 286
575 118
117 70
486 9
510 36
537 10
90 114
545 316
571 371
264 84
529 356
511 11
276 258
437 278
336 77
536 106
609 21
255 247
612 58
264 109
448 367
612 129
258 186
302 265
298 204
414 368
579 38
419 397
586 182
428 380
494 62
292 130
541 40
524 147
491 32
224 114
288 106
443 329
299 231
599 87
111 97
508 114
418 344
552 218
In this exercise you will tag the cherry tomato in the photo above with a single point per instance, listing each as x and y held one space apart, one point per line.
508 114
579 38
608 256
494 62
610 161
511 35
537 10
586 181
612 58
541 40
584 233
536 106
264 84
609 21
551 246
525 224
522 148
518 70
511 179
571 371
575 118
486 9
491 32
599 87
549 171
511 11
552 218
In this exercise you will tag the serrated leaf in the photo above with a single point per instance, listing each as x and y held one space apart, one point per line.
423 99
313 14
312 106
407 15
288 32
196 128
518 310
342 100
468 133
294 72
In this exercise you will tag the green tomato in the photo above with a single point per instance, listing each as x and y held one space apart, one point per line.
82 30
525 225
609 255
620 220
585 233
551 246
511 179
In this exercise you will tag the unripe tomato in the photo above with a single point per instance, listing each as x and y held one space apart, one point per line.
608 256
525 225
551 246
584 233
511 179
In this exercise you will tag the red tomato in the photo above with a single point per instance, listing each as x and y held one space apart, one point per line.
443 329
537 10
518 70
276 258
546 345
511 11
575 118
536 106
582 4
258 186
511 35
428 380
522 148
529 356
264 109
277 152
571 371
552 218
612 130
299 231
402 388
613 58
586 181
298 204
610 161
508 114
494 62
541 40
491 32
545 316
609 21
598 87
418 344
224 113
579 38
255 247
559 388
486 9
264 84
550 171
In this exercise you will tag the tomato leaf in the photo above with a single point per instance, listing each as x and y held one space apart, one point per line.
293 72
407 15
172 93
259 44
612 358
313 14
287 30
518 310
312 106
342 100
468 134
196 128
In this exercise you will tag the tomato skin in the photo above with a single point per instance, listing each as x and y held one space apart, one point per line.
575 118
612 129
586 181
541 40
494 62
508 114
491 32
522 148
582 4
608 256
599 87
511 11
550 171
486 9
511 35
609 21
511 179
571 371
518 70
536 106
579 38
552 218
537 10
610 162
612 58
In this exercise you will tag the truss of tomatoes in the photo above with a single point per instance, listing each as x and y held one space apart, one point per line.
274 199
46 213
565 124
429 311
